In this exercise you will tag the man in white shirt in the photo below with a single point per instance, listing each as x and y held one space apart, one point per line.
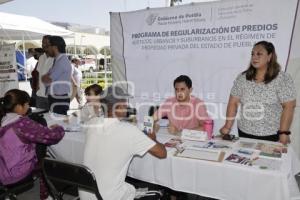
76 81
30 63
44 64
111 144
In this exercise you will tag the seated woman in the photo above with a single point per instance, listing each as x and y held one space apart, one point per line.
19 136
92 108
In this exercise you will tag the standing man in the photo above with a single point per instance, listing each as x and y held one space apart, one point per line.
44 64
58 79
76 80
30 63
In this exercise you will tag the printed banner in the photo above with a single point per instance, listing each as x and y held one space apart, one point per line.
8 69
210 42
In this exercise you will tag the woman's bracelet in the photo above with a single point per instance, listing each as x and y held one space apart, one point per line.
279 132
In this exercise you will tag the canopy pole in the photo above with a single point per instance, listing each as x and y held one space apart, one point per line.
167 4
2 39
75 50
105 67
24 57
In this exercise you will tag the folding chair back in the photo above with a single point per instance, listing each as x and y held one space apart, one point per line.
70 174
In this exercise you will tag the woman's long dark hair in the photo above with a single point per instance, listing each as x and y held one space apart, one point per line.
273 66
11 99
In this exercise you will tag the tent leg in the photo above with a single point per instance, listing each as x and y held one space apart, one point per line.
105 68
75 50
24 56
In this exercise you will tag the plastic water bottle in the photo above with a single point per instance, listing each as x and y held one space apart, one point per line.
209 127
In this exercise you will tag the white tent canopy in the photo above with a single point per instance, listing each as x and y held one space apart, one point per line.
16 27
4 1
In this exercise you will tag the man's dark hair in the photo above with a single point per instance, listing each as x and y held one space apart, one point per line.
185 79
46 36
31 50
39 50
59 42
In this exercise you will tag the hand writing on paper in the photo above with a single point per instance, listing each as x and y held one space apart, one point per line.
172 129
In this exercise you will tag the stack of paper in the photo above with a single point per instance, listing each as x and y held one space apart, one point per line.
216 145
163 122
201 154
193 135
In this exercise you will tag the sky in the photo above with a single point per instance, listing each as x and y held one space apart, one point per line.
84 12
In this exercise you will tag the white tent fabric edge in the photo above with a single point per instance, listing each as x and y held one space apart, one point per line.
4 1
14 27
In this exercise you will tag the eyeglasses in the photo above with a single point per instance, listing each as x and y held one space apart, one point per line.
46 46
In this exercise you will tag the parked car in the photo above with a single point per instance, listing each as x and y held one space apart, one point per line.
88 65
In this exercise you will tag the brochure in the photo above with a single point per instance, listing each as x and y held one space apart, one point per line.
148 124
214 145
247 144
243 156
239 159
249 153
217 145
270 150
187 134
269 164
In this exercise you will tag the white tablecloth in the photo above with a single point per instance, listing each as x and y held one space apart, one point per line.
219 180
211 179
71 147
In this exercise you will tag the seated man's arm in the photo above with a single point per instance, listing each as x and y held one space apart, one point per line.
158 150
200 126
173 129
155 116
156 119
